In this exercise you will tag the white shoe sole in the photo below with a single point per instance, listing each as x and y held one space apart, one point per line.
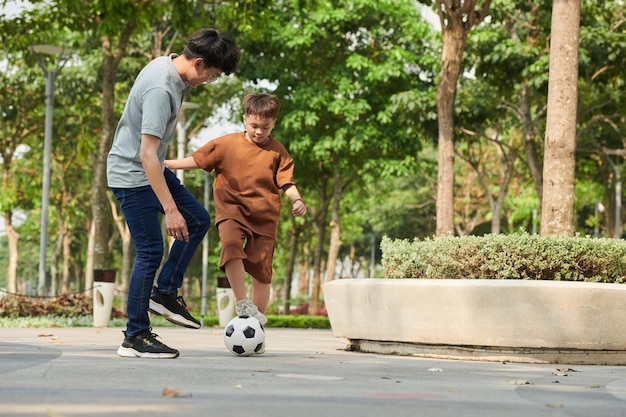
173 318
132 353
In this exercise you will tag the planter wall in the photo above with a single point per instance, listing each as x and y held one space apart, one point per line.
546 321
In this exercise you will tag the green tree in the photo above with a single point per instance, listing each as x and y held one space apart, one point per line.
337 67
456 18
20 94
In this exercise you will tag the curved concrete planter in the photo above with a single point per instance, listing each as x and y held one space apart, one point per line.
510 320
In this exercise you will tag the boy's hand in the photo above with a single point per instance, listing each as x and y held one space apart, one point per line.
299 208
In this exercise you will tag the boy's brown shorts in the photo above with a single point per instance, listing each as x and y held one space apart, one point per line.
239 242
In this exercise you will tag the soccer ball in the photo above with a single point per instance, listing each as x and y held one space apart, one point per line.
244 336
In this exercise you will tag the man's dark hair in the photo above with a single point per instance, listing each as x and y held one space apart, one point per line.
215 48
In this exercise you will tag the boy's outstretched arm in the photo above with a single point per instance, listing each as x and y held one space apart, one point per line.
299 207
185 163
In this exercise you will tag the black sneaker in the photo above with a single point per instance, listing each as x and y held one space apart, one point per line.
145 345
173 309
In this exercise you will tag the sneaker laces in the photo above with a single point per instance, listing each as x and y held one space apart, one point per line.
247 308
153 337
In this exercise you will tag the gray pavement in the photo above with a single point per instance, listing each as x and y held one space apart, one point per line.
304 373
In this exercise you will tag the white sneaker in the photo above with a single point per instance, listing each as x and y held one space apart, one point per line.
246 308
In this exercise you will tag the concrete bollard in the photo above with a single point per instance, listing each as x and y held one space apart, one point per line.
103 290
225 301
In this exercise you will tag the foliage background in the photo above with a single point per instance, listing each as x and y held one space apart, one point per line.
358 84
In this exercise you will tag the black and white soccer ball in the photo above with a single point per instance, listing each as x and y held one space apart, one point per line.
244 336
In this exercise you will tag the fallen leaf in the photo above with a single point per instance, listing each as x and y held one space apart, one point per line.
520 382
173 393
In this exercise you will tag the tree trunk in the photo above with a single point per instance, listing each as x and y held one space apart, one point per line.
14 254
127 266
456 18
320 232
453 45
303 271
127 251
89 262
319 227
498 202
54 260
530 141
335 229
291 261
557 216
67 259
99 201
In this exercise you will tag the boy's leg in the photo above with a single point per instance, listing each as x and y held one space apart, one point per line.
258 263
260 294
233 235
236 278
244 307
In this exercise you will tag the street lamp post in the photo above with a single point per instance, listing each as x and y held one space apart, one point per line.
41 51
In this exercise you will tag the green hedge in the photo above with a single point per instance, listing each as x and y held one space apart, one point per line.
517 256
285 321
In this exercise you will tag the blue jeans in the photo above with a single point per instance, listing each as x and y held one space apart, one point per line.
142 211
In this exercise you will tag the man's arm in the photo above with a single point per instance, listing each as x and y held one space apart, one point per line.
174 221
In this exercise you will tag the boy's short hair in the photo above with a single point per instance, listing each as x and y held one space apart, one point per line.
215 48
265 106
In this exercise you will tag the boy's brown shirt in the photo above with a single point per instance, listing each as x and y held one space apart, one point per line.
248 180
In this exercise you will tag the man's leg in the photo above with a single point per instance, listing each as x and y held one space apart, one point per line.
165 300
141 211
198 221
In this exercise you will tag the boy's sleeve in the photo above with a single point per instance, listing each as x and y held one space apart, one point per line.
284 174
205 156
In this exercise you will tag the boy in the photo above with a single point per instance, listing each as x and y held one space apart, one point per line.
145 189
251 168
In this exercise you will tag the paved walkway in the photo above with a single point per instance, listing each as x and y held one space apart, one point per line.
304 373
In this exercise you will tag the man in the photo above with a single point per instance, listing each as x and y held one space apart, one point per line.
145 189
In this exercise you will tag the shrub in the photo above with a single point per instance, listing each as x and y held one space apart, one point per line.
517 256
76 310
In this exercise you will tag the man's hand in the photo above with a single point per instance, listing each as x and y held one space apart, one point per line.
176 225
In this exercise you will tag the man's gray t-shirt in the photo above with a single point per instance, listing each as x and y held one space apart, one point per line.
152 108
